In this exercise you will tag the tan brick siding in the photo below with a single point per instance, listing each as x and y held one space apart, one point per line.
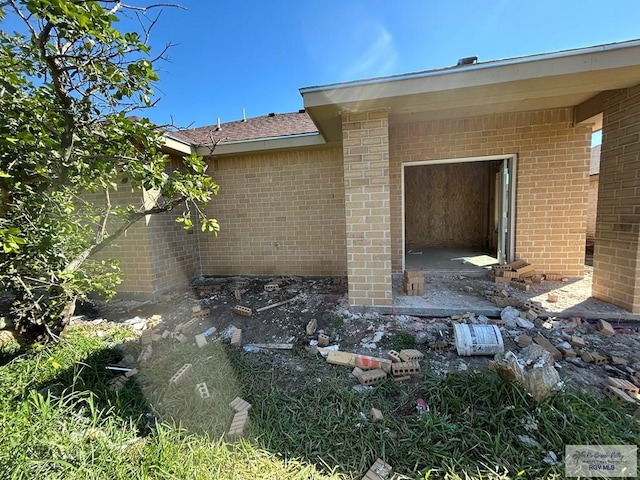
131 248
616 259
552 180
367 207
280 213
592 207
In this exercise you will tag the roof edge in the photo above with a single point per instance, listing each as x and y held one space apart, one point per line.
477 66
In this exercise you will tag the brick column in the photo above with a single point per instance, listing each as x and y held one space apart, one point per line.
367 208
616 261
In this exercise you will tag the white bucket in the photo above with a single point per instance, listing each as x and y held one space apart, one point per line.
477 339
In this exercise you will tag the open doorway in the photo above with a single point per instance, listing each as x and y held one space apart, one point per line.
457 214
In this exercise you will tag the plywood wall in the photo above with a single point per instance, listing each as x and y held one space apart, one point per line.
449 206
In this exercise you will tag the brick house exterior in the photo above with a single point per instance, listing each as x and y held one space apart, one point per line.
326 191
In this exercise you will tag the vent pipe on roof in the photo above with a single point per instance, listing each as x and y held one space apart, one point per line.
244 115
467 61
218 127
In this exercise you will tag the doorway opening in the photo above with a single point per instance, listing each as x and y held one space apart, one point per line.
458 214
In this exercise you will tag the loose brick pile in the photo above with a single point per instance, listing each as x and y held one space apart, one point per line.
413 282
520 274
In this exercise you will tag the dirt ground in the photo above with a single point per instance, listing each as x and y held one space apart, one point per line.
324 300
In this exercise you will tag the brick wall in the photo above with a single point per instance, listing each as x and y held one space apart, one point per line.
131 249
280 213
367 207
552 183
616 260
592 207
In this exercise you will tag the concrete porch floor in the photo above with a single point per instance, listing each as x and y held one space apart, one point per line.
455 282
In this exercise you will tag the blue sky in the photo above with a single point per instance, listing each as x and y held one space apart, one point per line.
256 55
230 55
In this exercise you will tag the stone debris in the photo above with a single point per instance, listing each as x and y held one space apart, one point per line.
532 368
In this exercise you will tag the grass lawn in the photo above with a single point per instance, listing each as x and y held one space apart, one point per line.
59 421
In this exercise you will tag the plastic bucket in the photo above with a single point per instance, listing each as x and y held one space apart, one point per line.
477 339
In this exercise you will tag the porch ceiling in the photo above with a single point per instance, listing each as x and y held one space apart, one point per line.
562 79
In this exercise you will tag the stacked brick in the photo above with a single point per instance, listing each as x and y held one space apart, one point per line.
520 274
413 282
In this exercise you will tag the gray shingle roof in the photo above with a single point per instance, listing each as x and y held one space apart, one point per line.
266 126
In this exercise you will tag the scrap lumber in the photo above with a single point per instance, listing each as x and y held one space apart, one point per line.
273 346
284 302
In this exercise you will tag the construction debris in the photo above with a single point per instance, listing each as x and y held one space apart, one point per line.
236 337
181 374
323 340
238 425
532 368
312 326
201 340
242 310
202 390
411 355
605 328
239 405
378 471
273 346
405 368
337 357
284 302
413 282
375 415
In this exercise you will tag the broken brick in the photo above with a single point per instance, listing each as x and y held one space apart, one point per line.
549 347
271 287
202 313
146 337
411 355
236 337
378 471
145 354
196 309
242 310
131 372
376 415
181 374
605 328
599 359
577 342
618 360
372 376
524 340
405 368
553 276
356 372
238 425
312 326
552 297
616 394
622 384
202 390
323 340
394 356
201 340
239 405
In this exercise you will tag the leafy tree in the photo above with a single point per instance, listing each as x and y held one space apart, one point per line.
69 81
